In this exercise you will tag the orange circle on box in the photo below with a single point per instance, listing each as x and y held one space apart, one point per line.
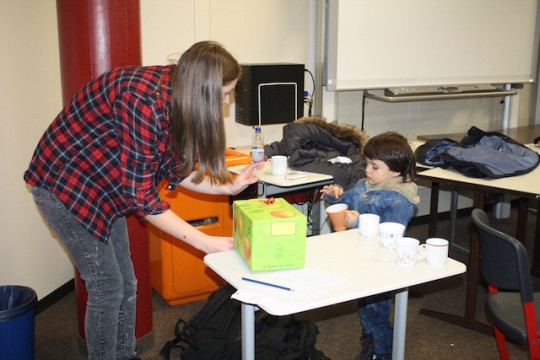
247 248
282 213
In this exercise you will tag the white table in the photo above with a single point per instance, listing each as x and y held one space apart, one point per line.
270 184
339 267
526 186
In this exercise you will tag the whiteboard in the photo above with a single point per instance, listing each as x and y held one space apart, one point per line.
372 44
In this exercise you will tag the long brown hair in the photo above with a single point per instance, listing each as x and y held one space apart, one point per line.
196 116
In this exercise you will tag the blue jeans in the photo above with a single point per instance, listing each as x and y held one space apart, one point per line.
109 276
375 319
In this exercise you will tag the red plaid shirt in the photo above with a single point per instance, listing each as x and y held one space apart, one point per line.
107 151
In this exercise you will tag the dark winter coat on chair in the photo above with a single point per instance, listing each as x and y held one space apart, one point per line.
311 142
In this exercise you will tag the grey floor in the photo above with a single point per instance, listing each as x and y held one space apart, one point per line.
427 338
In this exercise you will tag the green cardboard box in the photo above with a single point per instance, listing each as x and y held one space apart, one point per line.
269 234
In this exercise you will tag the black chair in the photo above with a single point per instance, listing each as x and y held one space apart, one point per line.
511 303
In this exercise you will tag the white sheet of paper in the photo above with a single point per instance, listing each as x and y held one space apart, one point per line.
305 284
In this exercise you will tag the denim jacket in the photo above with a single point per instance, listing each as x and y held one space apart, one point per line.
393 200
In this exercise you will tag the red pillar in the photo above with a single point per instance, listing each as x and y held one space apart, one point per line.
95 36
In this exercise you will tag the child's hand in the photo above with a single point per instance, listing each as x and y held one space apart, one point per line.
332 190
350 218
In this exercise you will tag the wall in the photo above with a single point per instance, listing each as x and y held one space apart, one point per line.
30 93
252 31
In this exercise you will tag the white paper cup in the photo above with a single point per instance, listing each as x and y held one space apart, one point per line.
368 225
279 164
436 251
389 232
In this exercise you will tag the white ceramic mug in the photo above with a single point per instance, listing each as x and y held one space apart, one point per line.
389 232
279 164
368 225
407 250
436 251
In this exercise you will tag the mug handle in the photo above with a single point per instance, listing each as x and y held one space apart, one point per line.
422 251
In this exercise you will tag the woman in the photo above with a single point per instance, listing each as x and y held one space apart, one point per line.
102 158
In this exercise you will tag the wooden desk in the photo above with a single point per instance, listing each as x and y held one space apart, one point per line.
526 186
338 268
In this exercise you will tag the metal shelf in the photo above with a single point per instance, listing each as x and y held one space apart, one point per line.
446 96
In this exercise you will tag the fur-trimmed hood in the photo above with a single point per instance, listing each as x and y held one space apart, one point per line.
407 189
341 131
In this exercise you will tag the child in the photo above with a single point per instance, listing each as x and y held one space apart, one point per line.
388 191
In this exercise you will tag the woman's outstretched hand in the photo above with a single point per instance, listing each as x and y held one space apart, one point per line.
217 244
246 177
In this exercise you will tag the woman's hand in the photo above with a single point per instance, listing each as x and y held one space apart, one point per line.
173 225
240 182
246 177
350 218
332 190
217 244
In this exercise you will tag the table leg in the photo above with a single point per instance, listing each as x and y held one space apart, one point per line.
468 320
433 209
400 325
474 264
248 332
261 190
523 210
316 217
453 221
453 215
536 246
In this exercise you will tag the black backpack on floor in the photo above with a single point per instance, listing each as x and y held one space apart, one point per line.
215 334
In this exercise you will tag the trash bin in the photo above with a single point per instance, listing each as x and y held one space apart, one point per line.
17 310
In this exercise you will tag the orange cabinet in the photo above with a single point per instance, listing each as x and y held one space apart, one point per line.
177 270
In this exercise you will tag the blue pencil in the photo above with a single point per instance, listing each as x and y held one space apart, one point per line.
267 284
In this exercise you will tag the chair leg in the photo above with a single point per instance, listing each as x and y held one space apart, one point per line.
535 350
501 344
532 330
